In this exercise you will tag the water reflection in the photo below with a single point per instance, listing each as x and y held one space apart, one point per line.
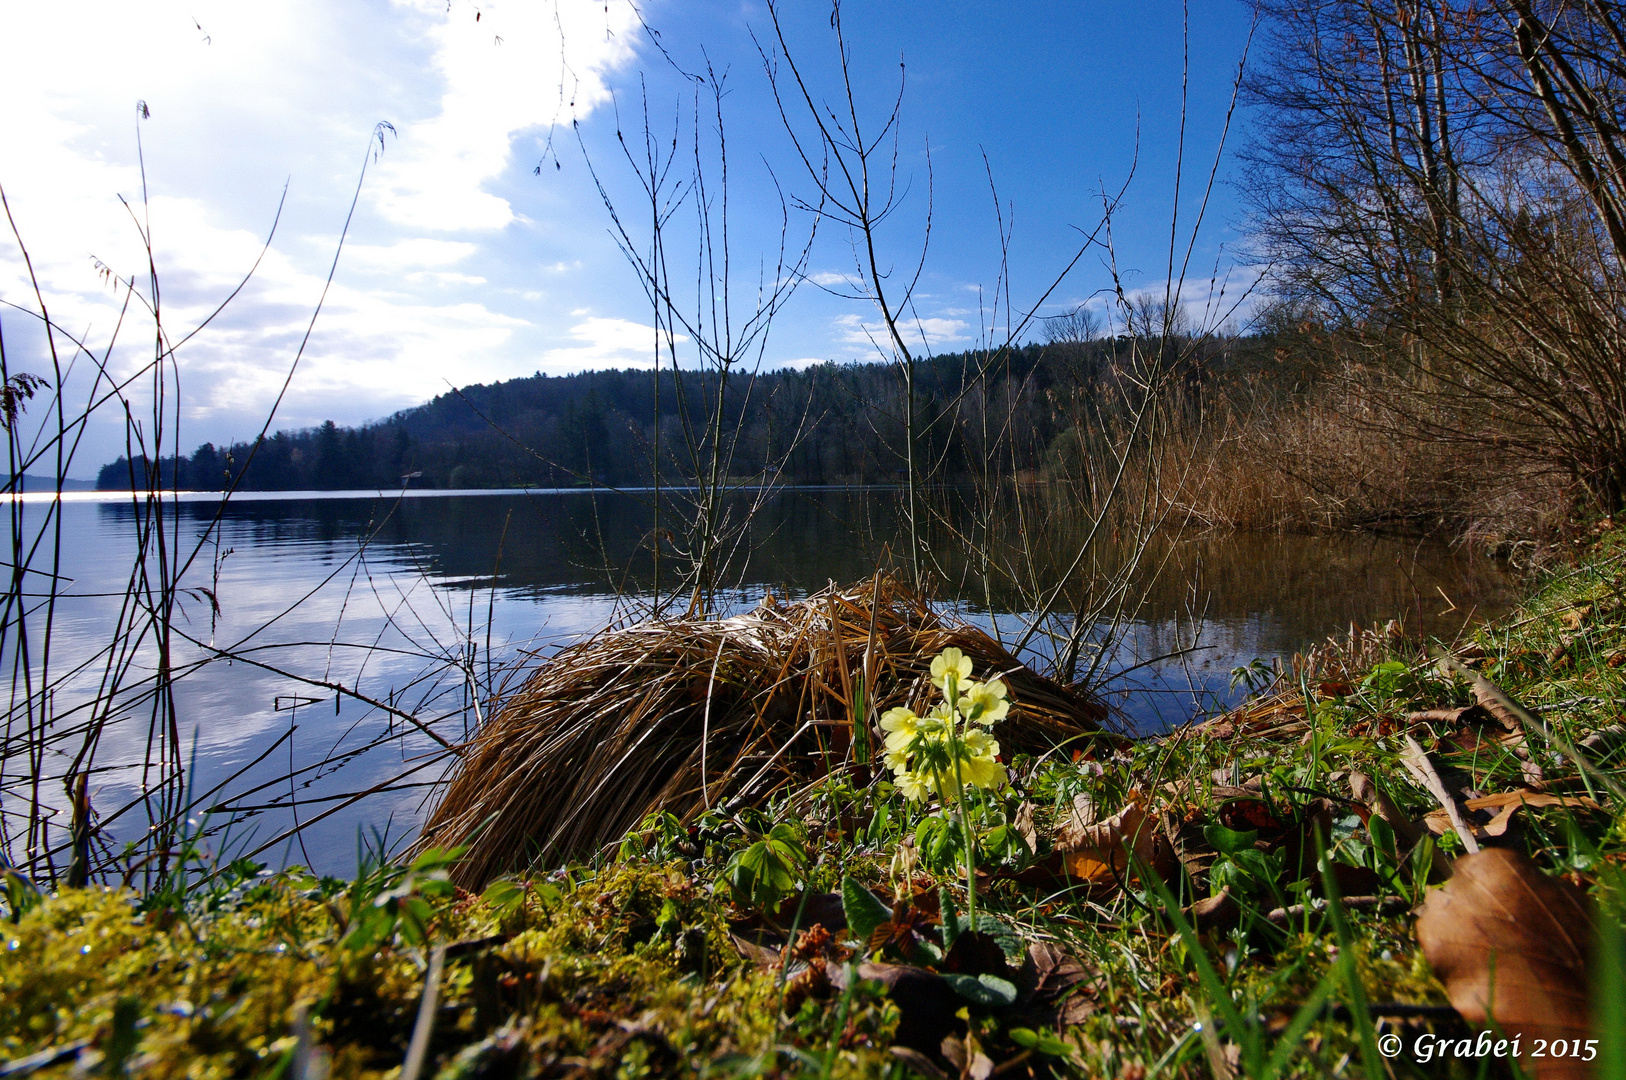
416 602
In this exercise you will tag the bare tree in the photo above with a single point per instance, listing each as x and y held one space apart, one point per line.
684 178
1446 182
1076 327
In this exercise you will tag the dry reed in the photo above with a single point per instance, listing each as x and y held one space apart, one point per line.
681 715
1329 669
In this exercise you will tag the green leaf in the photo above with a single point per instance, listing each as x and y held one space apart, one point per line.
878 824
1387 677
1383 843
1255 863
864 910
668 921
989 991
436 886
1230 841
437 859
1039 1041
950 916
415 914
1002 933
503 896
764 873
368 927
788 839
126 1036
20 893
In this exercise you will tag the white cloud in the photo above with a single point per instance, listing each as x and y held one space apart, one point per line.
606 343
1210 303
247 99
518 66
936 331
444 277
416 252
942 331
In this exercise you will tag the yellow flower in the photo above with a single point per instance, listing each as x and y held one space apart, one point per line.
980 744
914 786
984 772
985 702
897 759
979 768
900 726
950 661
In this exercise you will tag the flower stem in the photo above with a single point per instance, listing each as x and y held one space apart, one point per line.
951 692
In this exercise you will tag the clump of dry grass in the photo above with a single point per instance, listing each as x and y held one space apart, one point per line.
684 714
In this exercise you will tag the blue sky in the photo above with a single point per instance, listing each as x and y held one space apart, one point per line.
466 264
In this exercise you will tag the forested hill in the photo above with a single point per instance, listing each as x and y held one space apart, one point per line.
821 425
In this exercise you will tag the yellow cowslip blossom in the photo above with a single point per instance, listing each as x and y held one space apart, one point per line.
942 751
914 786
982 767
900 725
985 703
950 662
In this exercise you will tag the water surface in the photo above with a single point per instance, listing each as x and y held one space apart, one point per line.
422 603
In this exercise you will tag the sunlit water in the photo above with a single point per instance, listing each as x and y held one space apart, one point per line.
403 600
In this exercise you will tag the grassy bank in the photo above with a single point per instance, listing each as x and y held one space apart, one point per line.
1156 908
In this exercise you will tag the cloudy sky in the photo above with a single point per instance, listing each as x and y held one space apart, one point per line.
481 248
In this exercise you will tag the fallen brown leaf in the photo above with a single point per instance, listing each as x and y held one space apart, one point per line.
1053 972
1245 814
1506 804
927 1004
1500 926
1422 769
1378 802
1220 912
1183 832
1461 715
1606 739
1490 697
1022 822
1099 851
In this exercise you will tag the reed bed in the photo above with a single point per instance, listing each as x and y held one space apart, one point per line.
683 715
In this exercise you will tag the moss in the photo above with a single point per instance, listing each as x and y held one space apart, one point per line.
628 972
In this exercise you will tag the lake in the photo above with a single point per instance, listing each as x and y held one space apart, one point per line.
421 603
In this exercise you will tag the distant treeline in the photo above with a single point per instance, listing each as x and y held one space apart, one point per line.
826 424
